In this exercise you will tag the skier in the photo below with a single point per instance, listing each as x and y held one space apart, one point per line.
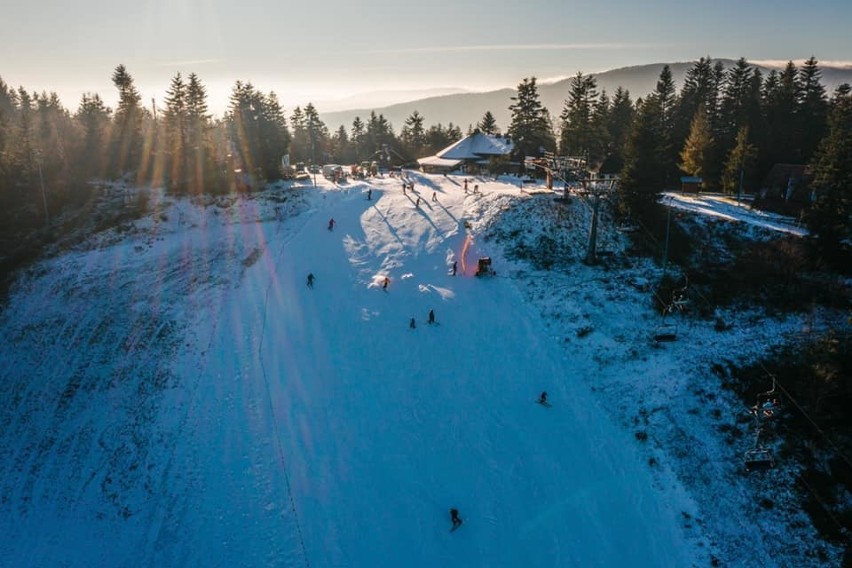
431 316
434 196
369 194
455 267
476 189
403 187
331 224
542 399
310 279
465 185
418 202
454 517
385 283
411 324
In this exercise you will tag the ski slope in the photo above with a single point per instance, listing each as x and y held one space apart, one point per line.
179 397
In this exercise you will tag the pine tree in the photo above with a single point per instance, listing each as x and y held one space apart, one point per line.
488 124
666 95
413 134
643 176
357 135
93 116
128 122
198 142
175 124
697 150
829 217
379 133
617 125
781 100
340 148
258 130
812 115
736 107
739 163
581 133
317 133
530 129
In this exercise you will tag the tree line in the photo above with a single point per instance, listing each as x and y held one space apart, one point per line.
728 126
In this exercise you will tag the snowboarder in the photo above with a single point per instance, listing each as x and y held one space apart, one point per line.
331 224
435 196
385 283
542 399
455 267
310 279
454 517
431 316
411 324
369 194
476 189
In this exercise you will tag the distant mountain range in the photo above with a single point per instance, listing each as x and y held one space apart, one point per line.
463 109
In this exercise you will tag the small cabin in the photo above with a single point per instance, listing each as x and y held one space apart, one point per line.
690 184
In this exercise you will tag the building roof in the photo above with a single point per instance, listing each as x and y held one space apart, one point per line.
477 146
436 162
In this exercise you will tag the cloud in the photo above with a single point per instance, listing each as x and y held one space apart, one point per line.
519 47
781 63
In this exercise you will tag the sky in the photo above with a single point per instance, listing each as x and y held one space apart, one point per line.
331 51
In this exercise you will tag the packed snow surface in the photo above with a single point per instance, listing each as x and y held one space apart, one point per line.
176 395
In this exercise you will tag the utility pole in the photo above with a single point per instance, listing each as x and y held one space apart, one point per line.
668 226
591 251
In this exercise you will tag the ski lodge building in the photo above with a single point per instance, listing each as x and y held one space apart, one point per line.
470 153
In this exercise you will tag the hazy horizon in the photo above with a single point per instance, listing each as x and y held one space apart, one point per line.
368 57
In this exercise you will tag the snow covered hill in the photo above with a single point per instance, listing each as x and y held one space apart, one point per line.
176 395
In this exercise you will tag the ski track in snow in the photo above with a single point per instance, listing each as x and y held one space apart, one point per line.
177 396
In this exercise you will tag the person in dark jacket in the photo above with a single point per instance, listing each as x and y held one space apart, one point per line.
310 279
454 518
431 316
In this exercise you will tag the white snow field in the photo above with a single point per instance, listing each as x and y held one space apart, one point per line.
174 394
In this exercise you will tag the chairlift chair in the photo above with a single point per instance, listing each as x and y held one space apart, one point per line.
767 404
625 226
484 267
679 298
665 332
758 459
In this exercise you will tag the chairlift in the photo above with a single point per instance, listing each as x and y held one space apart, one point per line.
665 333
758 459
767 404
484 267
679 298
625 226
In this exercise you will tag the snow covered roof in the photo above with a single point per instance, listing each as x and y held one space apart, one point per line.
477 146
436 162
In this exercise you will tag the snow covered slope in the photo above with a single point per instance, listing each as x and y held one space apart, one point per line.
177 395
